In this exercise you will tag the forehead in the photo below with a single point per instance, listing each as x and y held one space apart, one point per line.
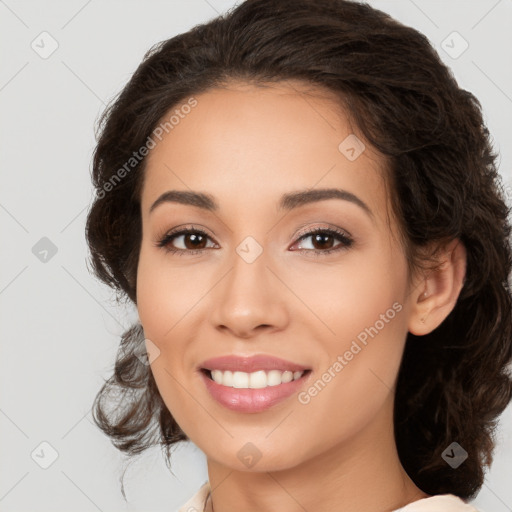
249 144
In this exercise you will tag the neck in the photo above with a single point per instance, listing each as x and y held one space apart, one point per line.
360 473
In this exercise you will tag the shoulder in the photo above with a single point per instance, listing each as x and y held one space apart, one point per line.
196 503
438 503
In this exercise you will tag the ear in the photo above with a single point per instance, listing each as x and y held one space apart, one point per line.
436 294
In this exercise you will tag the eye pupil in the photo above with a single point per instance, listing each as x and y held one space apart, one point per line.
320 237
196 240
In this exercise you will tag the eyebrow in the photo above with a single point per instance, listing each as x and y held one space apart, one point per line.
287 202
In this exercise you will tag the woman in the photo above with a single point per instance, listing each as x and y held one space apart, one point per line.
305 209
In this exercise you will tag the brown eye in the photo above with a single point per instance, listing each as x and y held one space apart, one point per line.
194 241
191 241
323 240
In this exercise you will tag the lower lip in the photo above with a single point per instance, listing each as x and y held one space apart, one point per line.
252 400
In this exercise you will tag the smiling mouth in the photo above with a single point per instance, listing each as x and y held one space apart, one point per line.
254 380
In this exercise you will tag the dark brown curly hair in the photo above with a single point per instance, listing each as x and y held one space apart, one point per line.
453 383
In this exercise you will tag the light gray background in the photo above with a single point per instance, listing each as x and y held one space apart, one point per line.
59 327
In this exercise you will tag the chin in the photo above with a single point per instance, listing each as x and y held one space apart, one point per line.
255 456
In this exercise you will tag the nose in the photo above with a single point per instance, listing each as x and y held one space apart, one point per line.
250 299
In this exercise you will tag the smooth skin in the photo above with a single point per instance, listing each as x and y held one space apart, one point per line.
247 145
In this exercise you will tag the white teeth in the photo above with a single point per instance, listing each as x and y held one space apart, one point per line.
240 380
254 380
287 377
275 377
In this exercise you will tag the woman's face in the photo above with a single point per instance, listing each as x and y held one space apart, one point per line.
256 283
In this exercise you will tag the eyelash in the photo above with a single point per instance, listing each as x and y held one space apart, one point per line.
345 240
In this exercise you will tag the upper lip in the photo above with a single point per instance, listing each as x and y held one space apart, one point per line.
251 364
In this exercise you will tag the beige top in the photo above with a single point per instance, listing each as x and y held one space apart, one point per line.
439 503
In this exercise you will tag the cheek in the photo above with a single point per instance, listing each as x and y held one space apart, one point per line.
164 295
361 305
363 293
152 300
162 301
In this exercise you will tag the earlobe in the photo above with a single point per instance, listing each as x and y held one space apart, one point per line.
439 290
